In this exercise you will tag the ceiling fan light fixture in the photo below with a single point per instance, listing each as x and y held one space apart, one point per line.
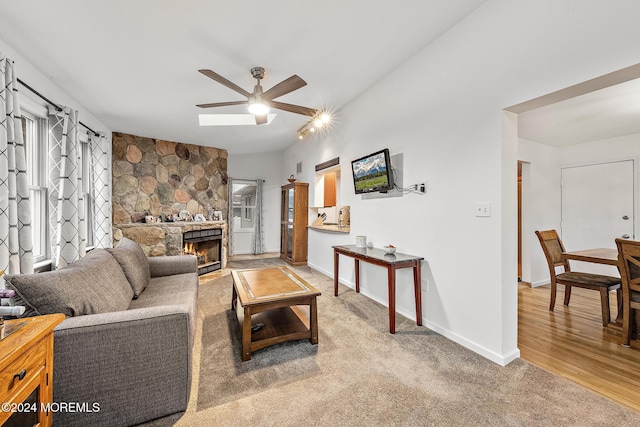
318 122
258 108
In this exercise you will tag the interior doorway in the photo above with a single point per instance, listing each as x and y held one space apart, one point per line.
243 216
557 335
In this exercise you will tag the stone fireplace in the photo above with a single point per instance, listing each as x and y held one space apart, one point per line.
163 179
169 239
206 245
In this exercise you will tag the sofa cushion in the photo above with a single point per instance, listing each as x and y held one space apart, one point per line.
93 284
134 263
176 290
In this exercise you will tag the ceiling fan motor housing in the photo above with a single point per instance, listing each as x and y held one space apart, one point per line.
257 73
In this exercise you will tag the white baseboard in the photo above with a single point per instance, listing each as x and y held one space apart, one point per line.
500 359
539 283
321 270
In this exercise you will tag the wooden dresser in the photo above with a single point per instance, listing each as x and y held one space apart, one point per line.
26 370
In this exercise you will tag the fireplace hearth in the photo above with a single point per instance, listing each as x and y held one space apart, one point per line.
206 245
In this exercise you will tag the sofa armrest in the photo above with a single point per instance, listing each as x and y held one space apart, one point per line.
135 364
170 265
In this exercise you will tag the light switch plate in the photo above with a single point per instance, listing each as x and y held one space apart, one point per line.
483 209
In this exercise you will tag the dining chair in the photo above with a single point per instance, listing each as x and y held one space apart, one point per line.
629 259
552 247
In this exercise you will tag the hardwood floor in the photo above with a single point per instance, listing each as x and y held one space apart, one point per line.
572 343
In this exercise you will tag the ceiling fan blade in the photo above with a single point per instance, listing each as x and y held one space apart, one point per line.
217 77
289 85
293 108
222 104
260 120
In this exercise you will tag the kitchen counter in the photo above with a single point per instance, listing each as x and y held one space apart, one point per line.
331 228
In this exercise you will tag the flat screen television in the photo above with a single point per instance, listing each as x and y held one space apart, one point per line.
373 172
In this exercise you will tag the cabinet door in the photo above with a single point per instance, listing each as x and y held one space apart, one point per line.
283 205
289 239
283 239
329 190
286 240
290 204
286 205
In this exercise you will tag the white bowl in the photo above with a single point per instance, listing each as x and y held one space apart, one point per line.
389 249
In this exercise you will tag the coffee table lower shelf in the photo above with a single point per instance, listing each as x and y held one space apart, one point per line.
280 325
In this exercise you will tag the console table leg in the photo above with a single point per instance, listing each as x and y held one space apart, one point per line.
417 284
392 299
357 268
335 272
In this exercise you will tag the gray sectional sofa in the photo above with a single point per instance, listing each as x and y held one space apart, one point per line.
127 340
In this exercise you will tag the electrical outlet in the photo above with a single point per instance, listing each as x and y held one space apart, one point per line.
483 209
422 187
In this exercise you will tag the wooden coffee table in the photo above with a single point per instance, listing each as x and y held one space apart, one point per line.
271 297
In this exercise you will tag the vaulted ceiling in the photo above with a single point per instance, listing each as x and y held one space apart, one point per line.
133 64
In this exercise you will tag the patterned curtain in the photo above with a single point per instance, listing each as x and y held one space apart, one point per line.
230 218
258 231
16 244
101 166
66 204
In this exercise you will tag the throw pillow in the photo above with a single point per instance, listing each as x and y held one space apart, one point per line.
94 284
134 263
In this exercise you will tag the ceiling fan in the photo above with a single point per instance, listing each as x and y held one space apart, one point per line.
259 101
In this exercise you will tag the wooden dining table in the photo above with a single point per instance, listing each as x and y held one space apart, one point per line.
605 256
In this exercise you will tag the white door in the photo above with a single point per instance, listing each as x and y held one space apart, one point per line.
597 207
243 216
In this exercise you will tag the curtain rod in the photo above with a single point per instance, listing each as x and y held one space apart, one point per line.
53 104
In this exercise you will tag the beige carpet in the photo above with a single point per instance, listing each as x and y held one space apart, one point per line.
360 375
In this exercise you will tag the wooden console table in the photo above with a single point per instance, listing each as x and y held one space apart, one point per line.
391 263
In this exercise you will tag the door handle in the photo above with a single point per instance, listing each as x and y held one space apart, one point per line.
626 217
625 236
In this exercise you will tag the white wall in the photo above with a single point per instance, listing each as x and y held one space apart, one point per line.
265 166
606 150
541 205
443 110
38 80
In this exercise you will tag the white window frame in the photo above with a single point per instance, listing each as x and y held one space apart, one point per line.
249 206
37 173
87 187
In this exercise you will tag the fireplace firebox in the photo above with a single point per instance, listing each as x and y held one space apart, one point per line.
206 245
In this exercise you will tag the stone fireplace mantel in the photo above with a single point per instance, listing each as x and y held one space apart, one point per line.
165 238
